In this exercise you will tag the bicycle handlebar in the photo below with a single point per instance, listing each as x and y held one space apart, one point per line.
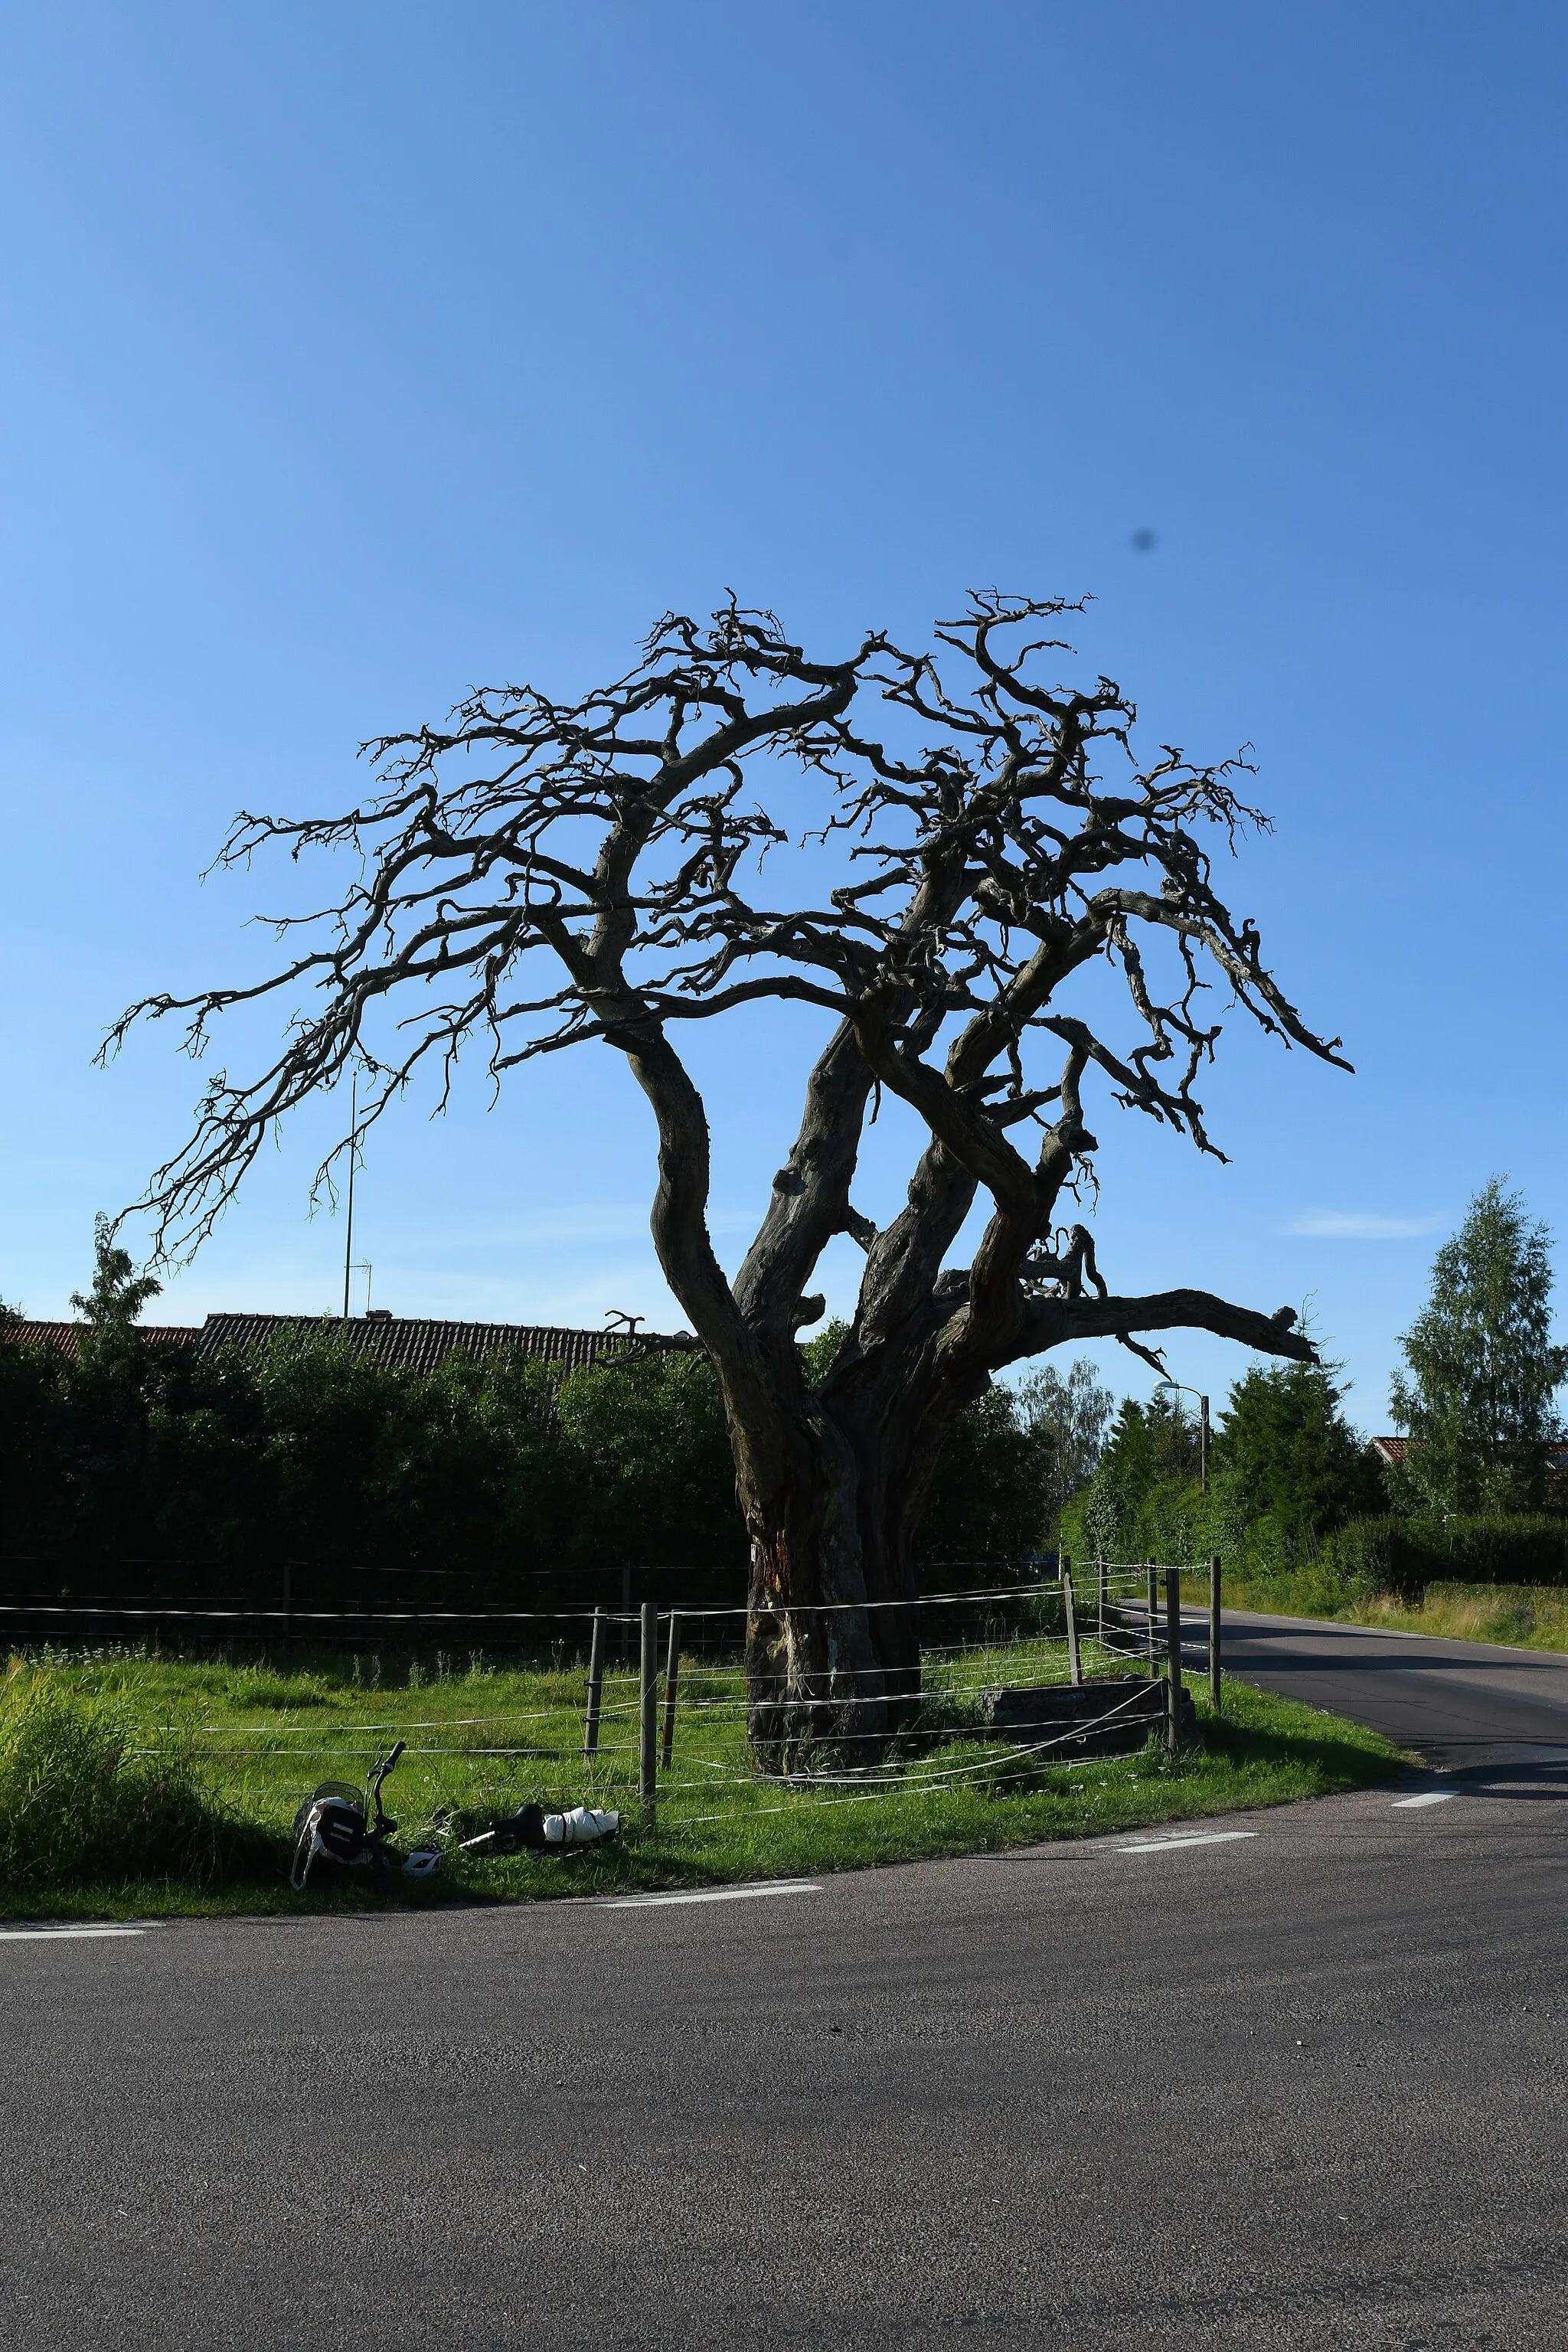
378 1775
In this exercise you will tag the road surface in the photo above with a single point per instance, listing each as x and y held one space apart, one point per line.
1293 2080
1453 1702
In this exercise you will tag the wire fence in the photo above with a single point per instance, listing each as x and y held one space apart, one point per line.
176 1604
1010 1680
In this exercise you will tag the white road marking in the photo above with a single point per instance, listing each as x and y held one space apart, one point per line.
711 1895
49 1934
1432 1797
1195 1837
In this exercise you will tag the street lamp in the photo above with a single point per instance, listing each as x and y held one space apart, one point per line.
1160 1387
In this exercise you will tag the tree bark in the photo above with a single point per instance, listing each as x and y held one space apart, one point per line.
814 1677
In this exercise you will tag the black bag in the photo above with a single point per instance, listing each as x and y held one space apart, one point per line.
329 1826
530 1829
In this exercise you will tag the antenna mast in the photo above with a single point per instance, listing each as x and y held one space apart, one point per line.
353 1154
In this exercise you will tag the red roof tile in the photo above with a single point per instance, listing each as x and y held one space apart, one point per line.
413 1343
417 1343
1394 1449
67 1337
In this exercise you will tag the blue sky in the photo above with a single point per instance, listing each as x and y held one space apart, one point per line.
350 357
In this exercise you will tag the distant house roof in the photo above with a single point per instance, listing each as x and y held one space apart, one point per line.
1394 1449
417 1343
412 1343
67 1337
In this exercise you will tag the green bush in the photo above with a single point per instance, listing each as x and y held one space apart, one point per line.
1404 1556
80 1805
1370 1555
145 1471
1529 1547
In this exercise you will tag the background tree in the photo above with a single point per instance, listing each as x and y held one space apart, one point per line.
1286 1470
986 1504
1151 1451
1484 1370
537 874
1067 1418
114 1305
1287 1466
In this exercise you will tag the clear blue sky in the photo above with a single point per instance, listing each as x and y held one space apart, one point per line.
353 356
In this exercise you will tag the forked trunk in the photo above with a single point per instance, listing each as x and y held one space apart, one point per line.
832 1637
814 1680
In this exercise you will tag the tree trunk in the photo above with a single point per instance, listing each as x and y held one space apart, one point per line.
814 1677
833 1503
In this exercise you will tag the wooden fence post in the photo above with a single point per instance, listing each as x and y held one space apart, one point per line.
1104 1566
672 1675
1217 1699
1154 1584
648 1760
1075 1664
1172 1659
595 1685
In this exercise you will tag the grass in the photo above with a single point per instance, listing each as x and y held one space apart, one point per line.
1520 1616
1523 1616
229 1751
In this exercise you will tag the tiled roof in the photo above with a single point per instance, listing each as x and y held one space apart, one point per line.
67 1337
411 1343
417 1343
1394 1449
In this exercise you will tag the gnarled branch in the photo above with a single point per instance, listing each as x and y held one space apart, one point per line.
536 874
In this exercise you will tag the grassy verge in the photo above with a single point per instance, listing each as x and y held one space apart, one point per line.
1520 1616
215 1759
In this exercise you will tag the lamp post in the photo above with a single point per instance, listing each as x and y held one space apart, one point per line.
1160 1387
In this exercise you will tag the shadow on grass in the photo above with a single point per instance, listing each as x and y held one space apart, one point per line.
1331 1760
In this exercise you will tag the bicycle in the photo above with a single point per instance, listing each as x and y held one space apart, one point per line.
341 1824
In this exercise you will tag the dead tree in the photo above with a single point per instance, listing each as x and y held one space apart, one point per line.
537 874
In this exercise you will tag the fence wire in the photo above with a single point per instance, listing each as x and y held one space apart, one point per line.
493 1736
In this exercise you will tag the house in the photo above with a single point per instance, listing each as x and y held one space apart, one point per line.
1386 1452
66 1338
412 1343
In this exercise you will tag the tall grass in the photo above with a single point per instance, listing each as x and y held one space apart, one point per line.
1518 1616
80 1800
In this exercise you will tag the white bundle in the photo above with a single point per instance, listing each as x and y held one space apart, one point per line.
583 1825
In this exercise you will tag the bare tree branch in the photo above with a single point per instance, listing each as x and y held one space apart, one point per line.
538 875
1065 1322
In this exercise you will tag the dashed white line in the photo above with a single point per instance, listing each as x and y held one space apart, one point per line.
1432 1797
711 1895
1193 1837
54 1934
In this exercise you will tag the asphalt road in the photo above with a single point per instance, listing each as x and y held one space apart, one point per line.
1453 1702
1302 2087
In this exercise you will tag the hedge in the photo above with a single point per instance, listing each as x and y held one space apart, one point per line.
1404 1556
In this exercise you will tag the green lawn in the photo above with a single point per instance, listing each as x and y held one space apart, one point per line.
243 1745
